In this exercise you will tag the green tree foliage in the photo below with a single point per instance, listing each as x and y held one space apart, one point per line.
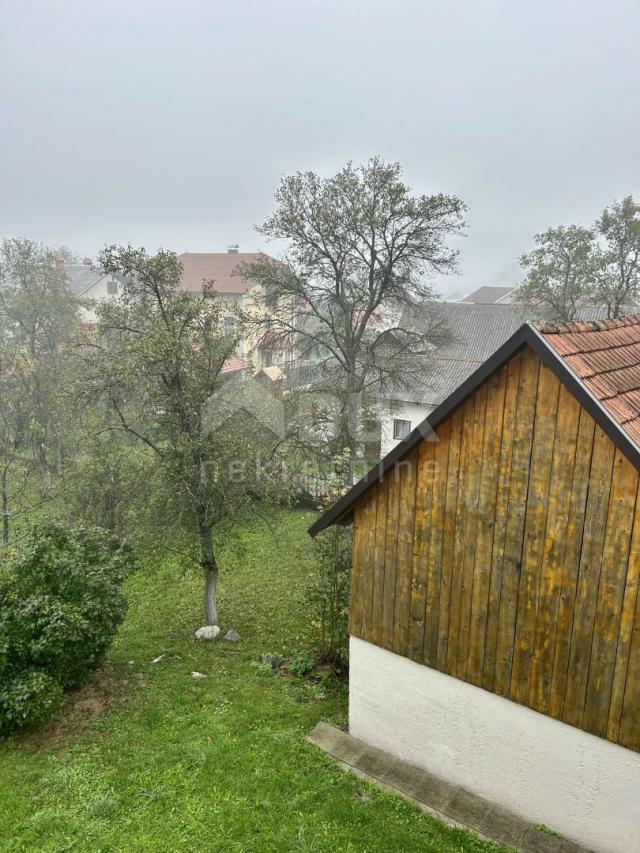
573 267
331 590
559 271
361 247
616 275
157 360
112 482
60 605
39 323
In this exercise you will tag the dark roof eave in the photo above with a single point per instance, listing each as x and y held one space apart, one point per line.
526 334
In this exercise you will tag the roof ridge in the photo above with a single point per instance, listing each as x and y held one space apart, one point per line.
571 326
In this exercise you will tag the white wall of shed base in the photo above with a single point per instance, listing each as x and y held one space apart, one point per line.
579 785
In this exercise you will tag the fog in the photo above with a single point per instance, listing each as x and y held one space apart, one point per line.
169 124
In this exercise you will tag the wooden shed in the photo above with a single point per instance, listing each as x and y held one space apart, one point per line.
495 620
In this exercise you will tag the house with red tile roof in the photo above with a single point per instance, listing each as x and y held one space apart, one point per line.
223 270
495 606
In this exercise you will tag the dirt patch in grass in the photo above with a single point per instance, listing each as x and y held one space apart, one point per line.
107 687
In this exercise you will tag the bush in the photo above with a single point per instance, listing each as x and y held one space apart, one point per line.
331 592
60 605
302 663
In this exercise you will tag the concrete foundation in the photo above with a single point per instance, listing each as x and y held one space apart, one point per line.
581 786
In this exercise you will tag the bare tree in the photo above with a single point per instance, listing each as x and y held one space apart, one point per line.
361 247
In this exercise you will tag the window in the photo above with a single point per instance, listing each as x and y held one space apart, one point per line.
271 300
401 429
112 288
229 326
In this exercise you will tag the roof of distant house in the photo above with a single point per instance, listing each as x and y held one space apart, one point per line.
475 332
82 277
219 267
234 364
490 295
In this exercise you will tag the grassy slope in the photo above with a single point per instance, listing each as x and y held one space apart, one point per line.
148 758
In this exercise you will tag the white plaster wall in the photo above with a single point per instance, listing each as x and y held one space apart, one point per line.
579 785
98 292
388 412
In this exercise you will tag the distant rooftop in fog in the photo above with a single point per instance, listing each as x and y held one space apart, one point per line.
490 295
81 277
219 267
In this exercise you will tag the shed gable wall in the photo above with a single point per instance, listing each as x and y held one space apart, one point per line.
507 554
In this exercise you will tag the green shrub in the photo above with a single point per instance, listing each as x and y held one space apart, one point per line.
28 697
302 663
330 594
60 605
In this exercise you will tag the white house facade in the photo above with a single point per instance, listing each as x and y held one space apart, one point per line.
91 284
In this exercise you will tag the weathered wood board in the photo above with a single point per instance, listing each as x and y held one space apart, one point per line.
507 553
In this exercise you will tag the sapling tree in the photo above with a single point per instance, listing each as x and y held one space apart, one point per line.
158 358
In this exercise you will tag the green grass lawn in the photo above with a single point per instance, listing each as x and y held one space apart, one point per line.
148 758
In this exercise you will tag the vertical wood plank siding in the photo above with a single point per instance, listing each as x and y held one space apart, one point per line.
507 553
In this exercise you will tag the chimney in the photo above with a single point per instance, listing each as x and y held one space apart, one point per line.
59 263
233 248
87 261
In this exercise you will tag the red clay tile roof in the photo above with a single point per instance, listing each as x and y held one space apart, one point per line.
605 355
233 364
198 267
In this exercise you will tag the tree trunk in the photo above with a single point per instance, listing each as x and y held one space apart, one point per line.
210 592
44 467
353 419
5 511
210 569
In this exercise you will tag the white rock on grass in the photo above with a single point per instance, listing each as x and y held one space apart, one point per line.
207 632
196 674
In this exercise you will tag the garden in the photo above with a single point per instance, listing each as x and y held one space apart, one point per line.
175 744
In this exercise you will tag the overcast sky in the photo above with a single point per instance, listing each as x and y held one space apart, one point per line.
170 123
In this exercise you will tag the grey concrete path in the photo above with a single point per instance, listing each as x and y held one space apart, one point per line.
448 803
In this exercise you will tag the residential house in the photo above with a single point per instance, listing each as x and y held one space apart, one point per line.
222 269
495 616
90 283
475 332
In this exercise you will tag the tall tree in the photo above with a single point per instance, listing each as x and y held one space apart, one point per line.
559 271
158 360
616 273
40 318
361 247
14 420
